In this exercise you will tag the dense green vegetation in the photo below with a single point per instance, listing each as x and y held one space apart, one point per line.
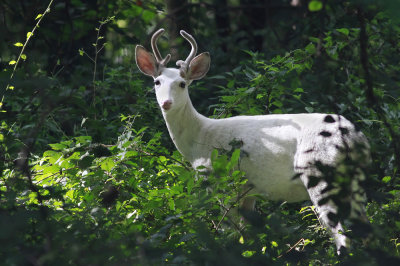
89 175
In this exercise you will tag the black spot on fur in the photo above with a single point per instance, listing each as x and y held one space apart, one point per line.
357 128
344 130
329 119
243 153
301 167
308 151
325 134
296 176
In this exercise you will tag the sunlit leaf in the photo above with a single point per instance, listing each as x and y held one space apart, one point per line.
58 146
171 205
344 31
248 253
315 5
107 165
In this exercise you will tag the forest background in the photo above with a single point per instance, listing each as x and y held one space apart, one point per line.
89 175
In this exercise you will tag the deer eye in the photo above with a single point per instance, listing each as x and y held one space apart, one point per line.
182 85
157 82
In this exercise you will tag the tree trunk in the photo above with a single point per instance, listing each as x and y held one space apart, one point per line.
254 18
222 21
178 19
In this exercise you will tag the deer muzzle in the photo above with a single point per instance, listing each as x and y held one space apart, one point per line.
166 105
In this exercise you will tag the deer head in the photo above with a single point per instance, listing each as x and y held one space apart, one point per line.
171 84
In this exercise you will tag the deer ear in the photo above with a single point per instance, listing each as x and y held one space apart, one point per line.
199 66
146 61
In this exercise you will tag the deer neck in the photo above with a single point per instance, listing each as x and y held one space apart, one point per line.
185 125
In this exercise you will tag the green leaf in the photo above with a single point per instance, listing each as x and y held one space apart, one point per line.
12 62
277 103
230 84
190 185
386 179
38 16
18 44
344 31
51 169
310 48
58 146
70 194
315 5
235 157
83 139
171 205
214 155
314 39
309 109
107 165
248 253
28 35
397 225
148 15
23 56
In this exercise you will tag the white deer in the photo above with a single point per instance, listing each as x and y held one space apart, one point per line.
277 147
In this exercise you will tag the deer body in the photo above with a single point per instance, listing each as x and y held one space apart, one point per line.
274 148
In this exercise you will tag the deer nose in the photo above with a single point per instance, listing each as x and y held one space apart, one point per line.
166 105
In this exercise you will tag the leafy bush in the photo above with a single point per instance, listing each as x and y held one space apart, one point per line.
89 174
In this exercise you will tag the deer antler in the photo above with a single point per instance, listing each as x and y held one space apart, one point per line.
156 52
185 64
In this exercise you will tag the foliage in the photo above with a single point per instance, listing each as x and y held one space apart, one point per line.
88 174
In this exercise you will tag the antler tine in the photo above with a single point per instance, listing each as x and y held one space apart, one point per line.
192 41
154 39
156 52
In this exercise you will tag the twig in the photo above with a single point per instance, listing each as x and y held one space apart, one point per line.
292 247
313 208
97 50
28 37
231 206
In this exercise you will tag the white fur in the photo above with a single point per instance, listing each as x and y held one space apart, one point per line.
275 148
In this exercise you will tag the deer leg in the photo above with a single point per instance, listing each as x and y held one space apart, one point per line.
336 230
